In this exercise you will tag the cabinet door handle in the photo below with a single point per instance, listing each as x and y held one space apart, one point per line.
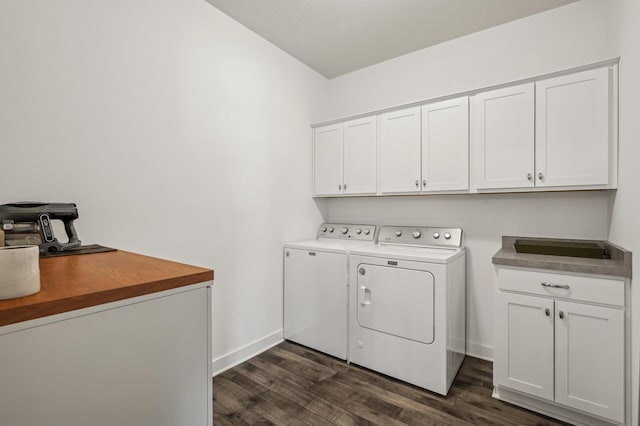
540 176
529 177
345 186
561 315
424 183
339 187
546 284
417 183
547 311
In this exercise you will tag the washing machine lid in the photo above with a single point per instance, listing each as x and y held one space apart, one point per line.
412 253
328 245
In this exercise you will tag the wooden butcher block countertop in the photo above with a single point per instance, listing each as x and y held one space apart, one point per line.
68 283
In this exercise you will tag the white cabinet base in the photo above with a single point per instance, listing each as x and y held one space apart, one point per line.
144 361
548 408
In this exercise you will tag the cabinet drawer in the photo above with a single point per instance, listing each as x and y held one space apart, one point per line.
605 291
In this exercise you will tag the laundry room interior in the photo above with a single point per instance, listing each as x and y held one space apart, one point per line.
189 131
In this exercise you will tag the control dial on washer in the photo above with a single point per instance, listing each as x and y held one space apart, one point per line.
343 231
416 234
398 233
367 232
447 236
436 235
324 229
358 231
331 229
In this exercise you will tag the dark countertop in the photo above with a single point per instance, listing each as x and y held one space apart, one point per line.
74 282
619 265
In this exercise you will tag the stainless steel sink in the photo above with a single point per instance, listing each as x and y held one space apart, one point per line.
563 248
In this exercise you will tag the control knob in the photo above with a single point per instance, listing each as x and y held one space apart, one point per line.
447 236
436 235
343 231
358 231
416 234
367 232
323 229
398 233
331 229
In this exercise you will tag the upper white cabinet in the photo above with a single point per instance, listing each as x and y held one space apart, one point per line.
557 133
572 129
567 141
445 145
426 149
328 159
400 151
360 156
345 158
503 137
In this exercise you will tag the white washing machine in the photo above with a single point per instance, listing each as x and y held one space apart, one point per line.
407 305
315 286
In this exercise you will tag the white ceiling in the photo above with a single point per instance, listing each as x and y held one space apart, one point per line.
335 37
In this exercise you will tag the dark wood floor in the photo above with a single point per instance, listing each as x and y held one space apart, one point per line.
293 385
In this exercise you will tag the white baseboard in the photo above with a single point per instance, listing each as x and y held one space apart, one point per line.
246 352
240 355
480 350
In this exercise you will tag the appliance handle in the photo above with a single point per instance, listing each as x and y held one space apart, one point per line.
364 295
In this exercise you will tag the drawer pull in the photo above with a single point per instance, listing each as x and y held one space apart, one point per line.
547 312
546 284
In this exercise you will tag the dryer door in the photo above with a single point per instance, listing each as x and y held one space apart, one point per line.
396 301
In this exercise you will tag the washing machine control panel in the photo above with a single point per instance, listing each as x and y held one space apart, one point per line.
348 231
421 236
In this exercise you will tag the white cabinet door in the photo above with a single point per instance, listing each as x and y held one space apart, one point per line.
590 359
524 344
572 129
503 137
400 150
328 160
360 172
445 145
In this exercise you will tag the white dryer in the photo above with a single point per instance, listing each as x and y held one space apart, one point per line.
407 305
315 286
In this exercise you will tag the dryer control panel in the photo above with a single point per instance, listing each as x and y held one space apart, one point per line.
348 231
421 236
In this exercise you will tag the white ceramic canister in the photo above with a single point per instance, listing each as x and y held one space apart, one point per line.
19 271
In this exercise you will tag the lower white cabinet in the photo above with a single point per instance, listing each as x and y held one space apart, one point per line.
552 347
144 361
524 344
589 355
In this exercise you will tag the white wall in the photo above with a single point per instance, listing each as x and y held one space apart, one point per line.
573 35
179 133
625 229
562 38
